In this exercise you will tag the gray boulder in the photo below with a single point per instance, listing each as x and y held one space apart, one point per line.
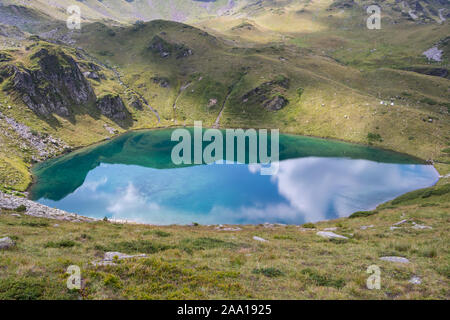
395 259
259 239
6 243
110 256
330 235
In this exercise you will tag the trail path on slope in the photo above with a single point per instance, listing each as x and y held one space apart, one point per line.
216 124
182 88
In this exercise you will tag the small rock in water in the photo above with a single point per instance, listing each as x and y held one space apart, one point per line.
259 239
330 235
395 259
415 280
6 243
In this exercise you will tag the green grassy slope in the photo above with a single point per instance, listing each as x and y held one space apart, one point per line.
339 99
85 127
336 72
316 55
201 262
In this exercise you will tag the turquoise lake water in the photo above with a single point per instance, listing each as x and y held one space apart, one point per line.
132 177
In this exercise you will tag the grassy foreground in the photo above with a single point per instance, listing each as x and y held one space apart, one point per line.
202 262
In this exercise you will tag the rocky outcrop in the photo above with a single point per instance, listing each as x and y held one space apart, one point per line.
269 94
165 49
38 210
134 100
159 46
6 243
92 75
161 81
276 103
136 103
53 84
434 54
4 56
112 106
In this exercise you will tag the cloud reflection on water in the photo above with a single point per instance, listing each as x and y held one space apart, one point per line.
305 189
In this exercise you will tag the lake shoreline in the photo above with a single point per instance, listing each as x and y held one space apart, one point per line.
78 149
97 143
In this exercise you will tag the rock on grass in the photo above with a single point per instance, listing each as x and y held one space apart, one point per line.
395 259
6 243
330 235
259 239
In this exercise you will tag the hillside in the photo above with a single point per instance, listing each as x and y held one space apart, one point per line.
347 83
132 10
228 262
308 67
195 10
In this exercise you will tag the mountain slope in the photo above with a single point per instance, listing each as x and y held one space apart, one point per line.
132 10
218 74
305 67
424 11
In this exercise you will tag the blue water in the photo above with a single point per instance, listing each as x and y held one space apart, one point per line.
305 189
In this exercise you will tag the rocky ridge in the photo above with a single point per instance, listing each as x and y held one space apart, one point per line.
53 86
35 209
112 106
54 83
